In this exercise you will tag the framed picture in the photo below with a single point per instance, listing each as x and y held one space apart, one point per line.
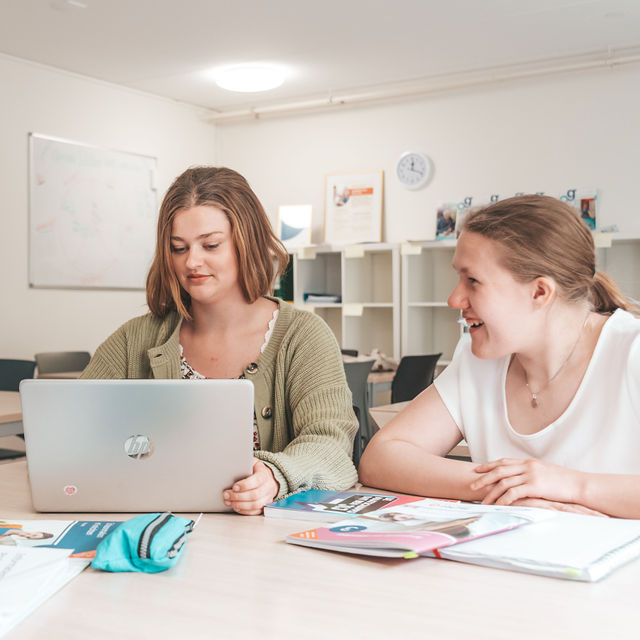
353 207
294 225
446 219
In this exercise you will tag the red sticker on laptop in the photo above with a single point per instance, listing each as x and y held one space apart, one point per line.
70 489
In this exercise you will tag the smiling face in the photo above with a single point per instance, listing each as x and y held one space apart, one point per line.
203 254
498 309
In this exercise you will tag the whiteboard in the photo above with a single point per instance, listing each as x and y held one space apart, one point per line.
92 215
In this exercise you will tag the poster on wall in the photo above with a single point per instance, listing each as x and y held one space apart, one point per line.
353 207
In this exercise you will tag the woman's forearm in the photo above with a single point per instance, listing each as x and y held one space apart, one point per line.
615 495
397 465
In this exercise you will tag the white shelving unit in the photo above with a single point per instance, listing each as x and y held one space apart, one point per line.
367 279
429 325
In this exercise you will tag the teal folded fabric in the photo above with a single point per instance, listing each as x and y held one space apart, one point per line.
150 543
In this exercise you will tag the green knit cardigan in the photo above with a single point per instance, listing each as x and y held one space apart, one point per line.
302 402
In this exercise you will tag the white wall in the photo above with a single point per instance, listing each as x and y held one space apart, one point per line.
39 99
548 134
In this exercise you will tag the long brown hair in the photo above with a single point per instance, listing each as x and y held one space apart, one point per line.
260 254
543 236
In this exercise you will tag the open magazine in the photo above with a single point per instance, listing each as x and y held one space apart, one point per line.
418 528
38 557
553 543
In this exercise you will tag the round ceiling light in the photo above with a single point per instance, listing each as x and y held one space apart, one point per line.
249 78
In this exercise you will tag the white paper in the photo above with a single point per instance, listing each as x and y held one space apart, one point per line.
28 576
568 545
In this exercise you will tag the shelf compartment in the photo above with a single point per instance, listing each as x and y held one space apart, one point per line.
370 277
322 274
431 330
429 276
374 329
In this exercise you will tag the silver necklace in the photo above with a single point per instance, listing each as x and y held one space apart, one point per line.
534 395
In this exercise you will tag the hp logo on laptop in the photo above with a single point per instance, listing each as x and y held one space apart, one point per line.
138 447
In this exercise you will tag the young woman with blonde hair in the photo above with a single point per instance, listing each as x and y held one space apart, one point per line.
211 317
545 387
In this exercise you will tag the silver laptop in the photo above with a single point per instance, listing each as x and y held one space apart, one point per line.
136 445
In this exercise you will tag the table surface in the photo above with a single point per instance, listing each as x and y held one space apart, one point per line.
239 579
61 375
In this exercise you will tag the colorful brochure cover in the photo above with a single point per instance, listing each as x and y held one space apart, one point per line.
329 506
80 536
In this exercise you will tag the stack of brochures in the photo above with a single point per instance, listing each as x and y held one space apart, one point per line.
38 557
538 541
322 298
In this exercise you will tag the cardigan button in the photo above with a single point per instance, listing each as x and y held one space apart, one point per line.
252 368
266 412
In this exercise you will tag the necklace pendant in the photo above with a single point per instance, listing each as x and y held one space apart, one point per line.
534 400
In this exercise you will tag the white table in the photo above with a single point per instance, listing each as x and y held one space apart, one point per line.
61 375
238 579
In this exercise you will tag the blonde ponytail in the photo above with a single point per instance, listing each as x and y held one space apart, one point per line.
606 296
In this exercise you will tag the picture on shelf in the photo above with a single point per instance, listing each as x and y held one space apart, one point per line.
353 208
446 221
584 202
294 225
588 211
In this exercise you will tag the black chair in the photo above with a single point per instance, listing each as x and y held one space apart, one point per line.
414 374
62 361
12 371
357 373
357 441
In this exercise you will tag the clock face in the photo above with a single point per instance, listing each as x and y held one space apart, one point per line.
413 169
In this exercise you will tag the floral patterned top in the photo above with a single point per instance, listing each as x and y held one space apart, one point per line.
189 373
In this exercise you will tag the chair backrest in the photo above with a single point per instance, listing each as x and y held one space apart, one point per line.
61 361
357 373
414 374
12 371
357 441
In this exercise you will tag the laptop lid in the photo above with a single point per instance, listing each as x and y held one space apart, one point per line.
136 445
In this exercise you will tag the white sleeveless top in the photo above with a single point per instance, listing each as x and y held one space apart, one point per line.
599 431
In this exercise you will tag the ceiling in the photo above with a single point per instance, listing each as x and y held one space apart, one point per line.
165 47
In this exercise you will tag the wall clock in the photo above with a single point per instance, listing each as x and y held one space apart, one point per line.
414 169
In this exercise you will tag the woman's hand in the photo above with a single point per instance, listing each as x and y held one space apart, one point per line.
249 496
508 480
